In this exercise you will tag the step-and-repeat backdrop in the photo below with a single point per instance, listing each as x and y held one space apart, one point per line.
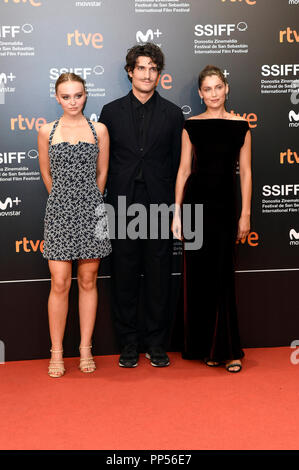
255 42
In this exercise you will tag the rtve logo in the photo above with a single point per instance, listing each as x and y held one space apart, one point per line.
219 29
94 39
12 31
251 118
31 2
288 34
24 124
289 157
25 244
249 2
252 239
165 81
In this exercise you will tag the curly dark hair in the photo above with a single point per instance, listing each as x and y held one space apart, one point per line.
208 71
147 50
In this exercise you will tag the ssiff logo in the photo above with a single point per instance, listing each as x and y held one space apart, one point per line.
84 72
17 157
280 190
276 70
186 109
219 29
12 31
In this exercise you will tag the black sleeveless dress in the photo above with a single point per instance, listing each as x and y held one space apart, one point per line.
75 224
210 314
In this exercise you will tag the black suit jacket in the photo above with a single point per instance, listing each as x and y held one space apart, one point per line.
159 159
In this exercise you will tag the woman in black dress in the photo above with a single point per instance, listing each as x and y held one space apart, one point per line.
212 143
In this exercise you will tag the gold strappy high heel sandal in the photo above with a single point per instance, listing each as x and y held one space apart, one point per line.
87 364
56 366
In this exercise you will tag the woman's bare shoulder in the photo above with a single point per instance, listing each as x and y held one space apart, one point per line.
45 130
198 116
99 127
234 117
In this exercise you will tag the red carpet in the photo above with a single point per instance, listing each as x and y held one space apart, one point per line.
184 406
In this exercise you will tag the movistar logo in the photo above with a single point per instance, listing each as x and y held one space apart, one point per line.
8 202
294 237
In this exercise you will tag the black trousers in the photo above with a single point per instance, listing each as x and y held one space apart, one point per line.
131 259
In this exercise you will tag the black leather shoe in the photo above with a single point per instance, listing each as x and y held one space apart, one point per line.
129 356
158 357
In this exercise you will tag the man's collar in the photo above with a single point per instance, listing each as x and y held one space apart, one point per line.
138 103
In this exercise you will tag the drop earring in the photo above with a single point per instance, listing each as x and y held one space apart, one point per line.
201 100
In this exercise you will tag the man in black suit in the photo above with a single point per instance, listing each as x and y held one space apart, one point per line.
145 141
